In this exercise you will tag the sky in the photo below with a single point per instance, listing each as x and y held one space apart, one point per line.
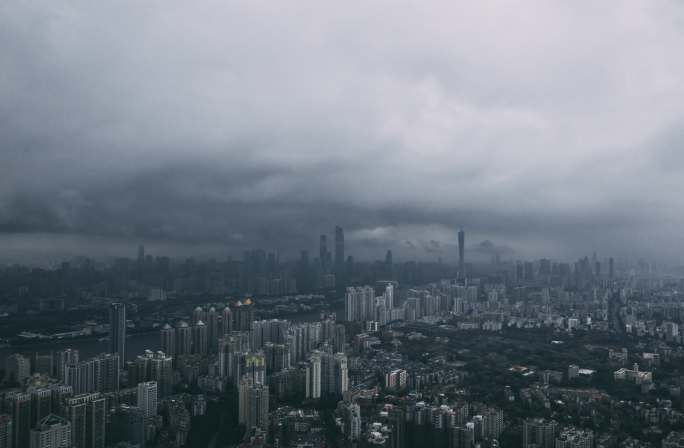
551 128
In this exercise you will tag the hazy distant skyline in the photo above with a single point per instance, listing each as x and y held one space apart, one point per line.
554 128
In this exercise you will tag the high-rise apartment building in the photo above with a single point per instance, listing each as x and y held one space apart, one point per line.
52 432
18 405
117 329
168 340
253 404
17 368
87 415
539 433
147 398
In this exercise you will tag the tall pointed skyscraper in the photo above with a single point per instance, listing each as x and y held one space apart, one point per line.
117 330
461 254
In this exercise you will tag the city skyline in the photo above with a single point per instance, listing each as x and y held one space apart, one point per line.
536 136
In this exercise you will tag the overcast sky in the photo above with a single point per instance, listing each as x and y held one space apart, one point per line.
553 128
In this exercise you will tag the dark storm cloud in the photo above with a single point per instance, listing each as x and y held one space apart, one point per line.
552 128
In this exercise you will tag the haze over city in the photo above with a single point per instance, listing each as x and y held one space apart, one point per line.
309 224
550 128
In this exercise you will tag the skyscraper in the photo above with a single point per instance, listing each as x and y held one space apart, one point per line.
461 254
117 329
339 251
243 315
183 338
168 340
147 398
212 329
128 425
253 404
64 357
227 320
359 304
18 368
87 416
539 433
313 375
18 405
199 338
52 432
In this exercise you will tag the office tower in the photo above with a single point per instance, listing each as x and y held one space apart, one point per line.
128 425
64 357
18 405
6 431
44 364
117 329
52 432
339 251
323 252
147 398
227 320
17 368
243 315
461 254
168 340
539 433
212 329
611 268
141 254
87 415
199 338
253 405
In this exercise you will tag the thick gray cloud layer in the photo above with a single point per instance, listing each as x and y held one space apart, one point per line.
553 127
